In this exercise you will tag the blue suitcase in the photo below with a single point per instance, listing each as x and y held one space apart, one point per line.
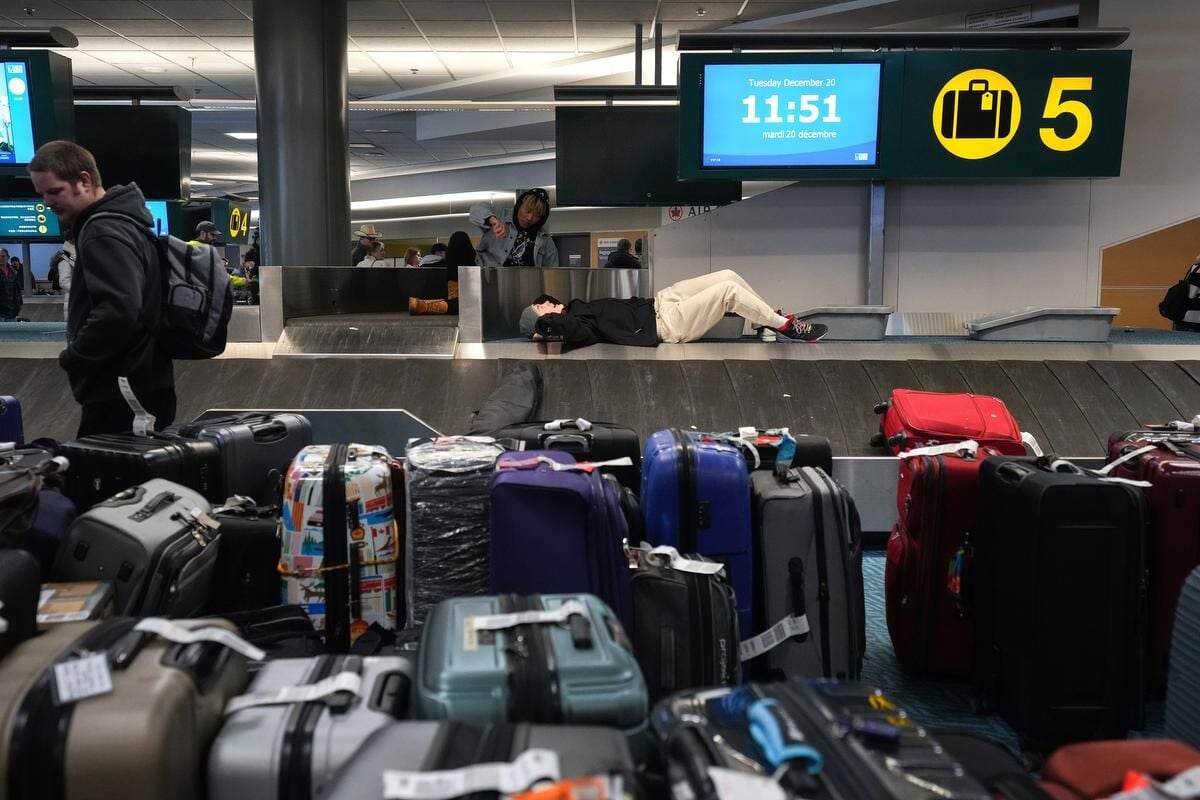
558 531
12 429
696 498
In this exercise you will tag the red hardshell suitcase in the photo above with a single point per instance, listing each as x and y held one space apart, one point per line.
914 419
1173 470
927 556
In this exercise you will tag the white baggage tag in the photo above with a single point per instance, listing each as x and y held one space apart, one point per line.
321 690
1107 468
682 564
143 420
969 446
1029 441
81 678
178 634
1184 786
498 622
772 637
732 784
527 769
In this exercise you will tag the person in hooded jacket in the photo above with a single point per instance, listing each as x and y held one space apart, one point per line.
516 237
115 302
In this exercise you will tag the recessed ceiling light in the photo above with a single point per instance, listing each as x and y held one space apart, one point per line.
700 12
414 70
245 136
154 69
366 145
377 130
201 183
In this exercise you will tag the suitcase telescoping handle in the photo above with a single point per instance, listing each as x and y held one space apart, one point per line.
579 424
572 442
272 431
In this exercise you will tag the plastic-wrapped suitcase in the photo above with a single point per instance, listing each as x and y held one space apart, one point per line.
20 584
144 738
158 544
256 450
1058 596
1170 462
928 619
12 428
807 537
685 623
557 530
696 498
247 571
301 721
914 419
448 484
410 753
817 740
1183 680
105 464
339 541
586 441
546 659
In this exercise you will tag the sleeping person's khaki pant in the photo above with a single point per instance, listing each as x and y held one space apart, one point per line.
687 310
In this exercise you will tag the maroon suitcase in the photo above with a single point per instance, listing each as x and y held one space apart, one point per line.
938 502
1173 470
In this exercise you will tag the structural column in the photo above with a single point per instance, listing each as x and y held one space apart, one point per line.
303 118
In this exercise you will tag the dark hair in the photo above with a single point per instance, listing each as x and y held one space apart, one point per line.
623 244
538 201
459 251
546 298
438 247
67 161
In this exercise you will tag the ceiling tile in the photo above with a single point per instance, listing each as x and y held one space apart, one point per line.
533 10
391 45
535 27
232 44
129 57
207 62
96 44
400 64
428 10
189 9
77 26
375 10
145 27
112 9
713 12
164 43
378 28
530 44
220 27
466 27
467 45
464 64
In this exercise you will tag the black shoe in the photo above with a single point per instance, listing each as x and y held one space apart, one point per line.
797 330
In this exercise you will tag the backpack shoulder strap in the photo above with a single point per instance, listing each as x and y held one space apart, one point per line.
114 215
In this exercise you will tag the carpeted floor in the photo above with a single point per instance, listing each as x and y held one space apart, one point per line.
937 704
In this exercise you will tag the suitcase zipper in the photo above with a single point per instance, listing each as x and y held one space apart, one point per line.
685 468
336 548
935 481
822 572
295 751
534 693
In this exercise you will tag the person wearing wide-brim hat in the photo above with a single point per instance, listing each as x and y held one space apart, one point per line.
366 238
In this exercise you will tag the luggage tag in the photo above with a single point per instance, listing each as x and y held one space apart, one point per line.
669 556
343 683
967 449
1184 786
772 637
599 787
81 678
173 632
579 466
472 626
143 420
733 784
1063 465
559 424
1141 451
508 778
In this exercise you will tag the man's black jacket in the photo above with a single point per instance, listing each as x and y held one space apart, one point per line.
609 320
622 258
115 305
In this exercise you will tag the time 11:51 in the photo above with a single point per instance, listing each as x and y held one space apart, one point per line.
809 109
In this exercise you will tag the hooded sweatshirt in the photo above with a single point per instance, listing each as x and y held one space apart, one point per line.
115 302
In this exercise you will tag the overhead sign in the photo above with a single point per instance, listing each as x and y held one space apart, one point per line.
27 219
999 18
233 220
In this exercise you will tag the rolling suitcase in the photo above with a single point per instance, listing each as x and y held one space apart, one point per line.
405 755
685 632
558 530
256 450
1183 680
449 495
105 464
818 740
547 659
247 572
810 576
928 555
914 419
763 448
20 585
301 721
12 428
156 542
339 544
1170 462
62 735
1059 570
34 515
696 498
586 441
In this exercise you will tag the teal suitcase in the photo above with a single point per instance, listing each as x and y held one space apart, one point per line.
489 659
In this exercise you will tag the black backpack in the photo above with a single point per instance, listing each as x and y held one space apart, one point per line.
1181 304
197 295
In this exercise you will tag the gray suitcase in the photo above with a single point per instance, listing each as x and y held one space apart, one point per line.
256 450
424 747
292 750
1183 677
156 542
807 532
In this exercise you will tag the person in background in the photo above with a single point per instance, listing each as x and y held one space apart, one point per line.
53 273
206 233
637 249
621 257
412 257
10 289
367 236
436 254
459 253
376 256
66 271
16 264
517 237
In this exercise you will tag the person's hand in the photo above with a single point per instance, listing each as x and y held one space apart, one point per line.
537 336
498 226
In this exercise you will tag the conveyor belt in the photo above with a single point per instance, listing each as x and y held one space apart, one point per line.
1071 406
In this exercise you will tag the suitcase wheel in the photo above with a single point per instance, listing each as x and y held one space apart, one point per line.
878 441
897 441
881 408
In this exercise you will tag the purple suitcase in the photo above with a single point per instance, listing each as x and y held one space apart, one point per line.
558 531
11 427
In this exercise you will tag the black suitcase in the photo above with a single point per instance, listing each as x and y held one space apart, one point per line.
761 448
105 464
1058 591
246 577
20 587
685 626
587 441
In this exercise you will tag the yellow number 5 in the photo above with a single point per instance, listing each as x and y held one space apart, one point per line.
1056 107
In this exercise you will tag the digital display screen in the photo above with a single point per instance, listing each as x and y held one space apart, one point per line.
16 125
790 115
158 210
27 219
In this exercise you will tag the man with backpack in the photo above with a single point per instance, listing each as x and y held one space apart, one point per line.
116 297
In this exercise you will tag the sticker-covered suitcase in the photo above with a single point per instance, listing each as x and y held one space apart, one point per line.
339 549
